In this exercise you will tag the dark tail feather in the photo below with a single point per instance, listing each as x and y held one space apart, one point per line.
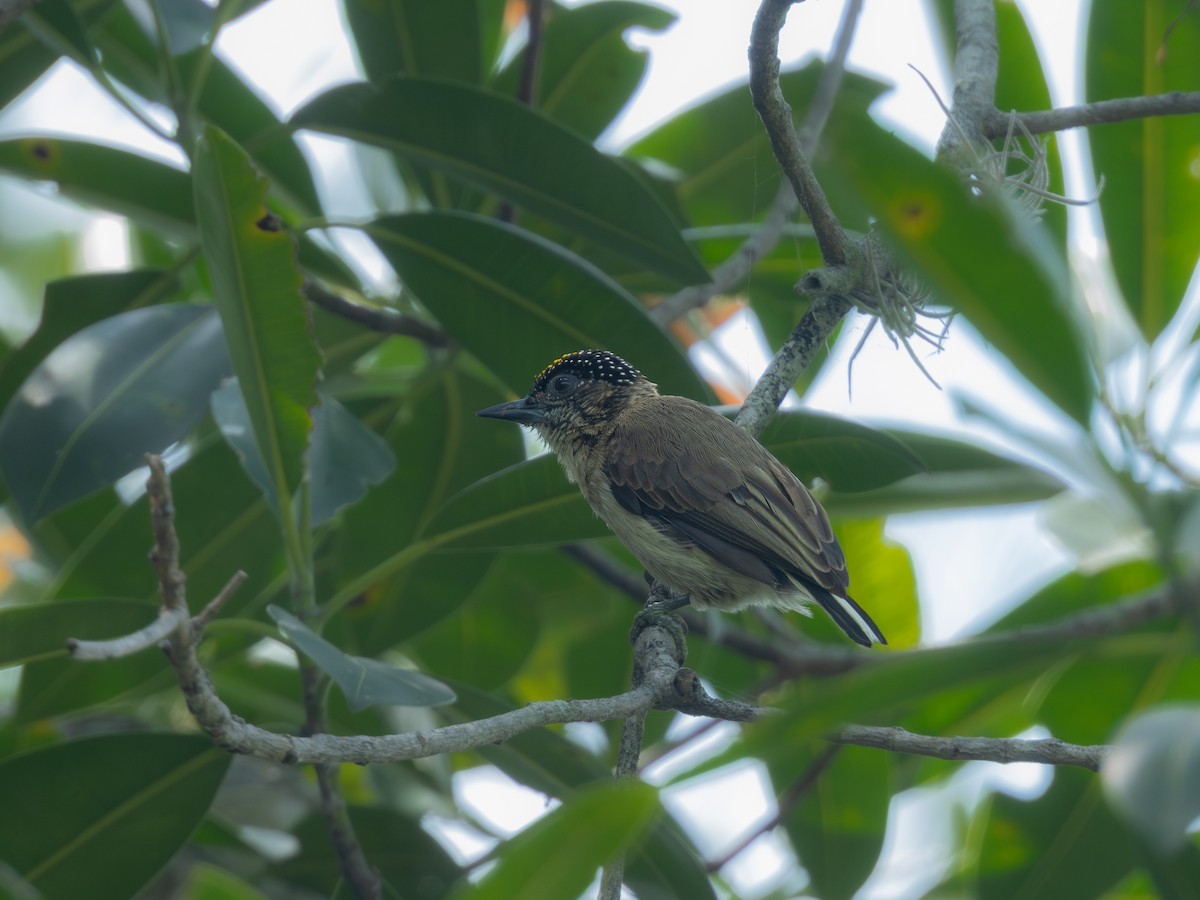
850 617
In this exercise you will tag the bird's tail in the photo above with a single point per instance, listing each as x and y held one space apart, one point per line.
845 612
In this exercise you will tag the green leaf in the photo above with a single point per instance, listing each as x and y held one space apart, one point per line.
256 289
1018 294
23 57
849 456
71 304
124 387
150 192
587 71
718 156
34 632
559 854
440 446
1021 85
1151 192
365 682
206 881
126 183
1064 844
408 858
345 457
225 100
100 816
957 474
517 301
415 38
223 526
491 637
529 504
58 25
499 145
838 828
1152 774
665 864
891 684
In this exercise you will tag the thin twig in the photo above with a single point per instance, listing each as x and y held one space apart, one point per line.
10 11
762 241
206 615
376 319
787 802
776 116
127 645
360 875
1101 112
1048 751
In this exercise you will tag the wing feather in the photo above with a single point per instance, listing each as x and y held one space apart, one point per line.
693 472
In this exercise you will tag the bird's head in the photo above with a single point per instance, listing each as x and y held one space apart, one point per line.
577 395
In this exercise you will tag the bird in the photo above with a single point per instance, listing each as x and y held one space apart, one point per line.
709 512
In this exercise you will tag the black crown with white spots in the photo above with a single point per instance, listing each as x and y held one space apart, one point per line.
596 365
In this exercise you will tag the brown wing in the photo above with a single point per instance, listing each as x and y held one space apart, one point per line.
695 474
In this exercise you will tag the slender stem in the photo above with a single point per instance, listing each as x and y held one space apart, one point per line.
1176 103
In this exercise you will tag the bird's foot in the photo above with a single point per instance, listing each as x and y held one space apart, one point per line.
660 610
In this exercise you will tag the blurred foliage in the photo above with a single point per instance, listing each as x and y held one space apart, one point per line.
419 550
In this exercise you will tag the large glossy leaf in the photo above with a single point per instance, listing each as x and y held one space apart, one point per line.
345 457
848 456
1064 844
517 301
892 684
529 504
838 828
415 38
1017 294
499 145
718 156
98 817
491 637
1021 85
23 57
150 192
364 682
222 521
71 304
958 474
1151 192
440 446
586 71
144 189
33 632
558 856
1152 774
256 289
225 100
664 864
409 860
124 387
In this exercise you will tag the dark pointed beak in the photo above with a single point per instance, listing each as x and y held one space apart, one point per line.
520 411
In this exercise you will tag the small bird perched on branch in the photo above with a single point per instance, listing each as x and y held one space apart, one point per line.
702 505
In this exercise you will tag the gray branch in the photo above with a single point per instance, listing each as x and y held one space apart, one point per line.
976 66
1049 751
776 117
735 269
1102 112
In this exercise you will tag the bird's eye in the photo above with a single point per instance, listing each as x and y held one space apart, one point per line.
562 385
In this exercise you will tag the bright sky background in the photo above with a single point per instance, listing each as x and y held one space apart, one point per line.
294 49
